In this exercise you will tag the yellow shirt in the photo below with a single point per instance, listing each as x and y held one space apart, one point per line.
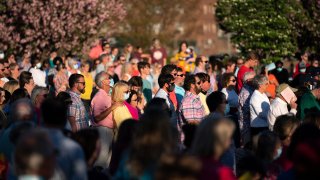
89 85
120 114
181 61
204 103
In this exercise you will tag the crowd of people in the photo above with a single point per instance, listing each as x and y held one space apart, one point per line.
131 115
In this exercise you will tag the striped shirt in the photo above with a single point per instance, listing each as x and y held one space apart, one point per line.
78 110
191 107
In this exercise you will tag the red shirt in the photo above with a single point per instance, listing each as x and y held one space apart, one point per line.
173 98
241 72
296 72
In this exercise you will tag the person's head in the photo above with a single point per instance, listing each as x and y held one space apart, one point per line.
35 61
158 103
213 137
56 118
35 155
122 59
315 62
2 69
106 48
11 86
19 94
22 110
248 78
192 83
89 140
128 48
284 127
104 58
120 92
2 96
72 63
183 46
268 147
169 69
134 98
153 138
26 81
77 83
302 67
312 118
115 51
6 71
279 65
102 80
230 66
85 66
60 67
261 83
179 80
156 43
38 95
57 60
205 81
304 56
239 62
229 80
144 68
14 70
252 59
217 101
166 82
135 83
316 93
201 62
64 98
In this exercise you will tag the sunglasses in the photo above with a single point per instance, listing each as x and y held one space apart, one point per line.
181 75
205 61
175 74
233 80
198 82
84 83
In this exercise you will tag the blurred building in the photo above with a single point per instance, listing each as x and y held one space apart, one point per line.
204 32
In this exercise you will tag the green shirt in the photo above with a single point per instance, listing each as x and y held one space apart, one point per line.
308 102
146 89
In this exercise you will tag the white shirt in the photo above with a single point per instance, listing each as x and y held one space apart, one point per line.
39 77
278 107
259 109
231 96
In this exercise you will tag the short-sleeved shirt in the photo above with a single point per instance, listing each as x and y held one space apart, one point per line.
191 107
243 69
78 110
146 89
100 102
158 55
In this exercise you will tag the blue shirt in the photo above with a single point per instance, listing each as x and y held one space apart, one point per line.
179 93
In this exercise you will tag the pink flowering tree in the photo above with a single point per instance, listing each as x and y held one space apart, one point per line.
39 25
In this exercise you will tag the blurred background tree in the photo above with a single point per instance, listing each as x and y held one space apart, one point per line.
39 26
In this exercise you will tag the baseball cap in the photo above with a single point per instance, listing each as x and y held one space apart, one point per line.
283 86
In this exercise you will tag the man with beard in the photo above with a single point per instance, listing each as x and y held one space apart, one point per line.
205 86
77 115
166 84
244 107
192 110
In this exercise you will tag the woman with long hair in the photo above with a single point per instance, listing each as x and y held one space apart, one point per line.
185 57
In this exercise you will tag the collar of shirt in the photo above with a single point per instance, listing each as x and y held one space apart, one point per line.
280 101
191 95
74 94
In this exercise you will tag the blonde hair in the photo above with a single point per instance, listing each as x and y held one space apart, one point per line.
11 86
117 92
126 68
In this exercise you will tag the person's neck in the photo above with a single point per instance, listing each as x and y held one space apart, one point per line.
75 90
261 90
180 84
246 64
84 72
106 89
165 90
143 76
193 91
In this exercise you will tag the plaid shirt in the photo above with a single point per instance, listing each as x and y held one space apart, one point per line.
191 107
78 110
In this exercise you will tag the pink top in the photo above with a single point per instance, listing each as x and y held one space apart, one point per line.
100 102
133 111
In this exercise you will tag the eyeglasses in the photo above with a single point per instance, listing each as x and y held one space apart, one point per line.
84 83
174 74
205 61
7 67
233 80
181 75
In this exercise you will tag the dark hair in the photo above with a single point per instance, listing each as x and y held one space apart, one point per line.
60 66
57 59
252 55
73 79
229 62
102 56
167 69
64 97
313 118
226 78
157 103
164 78
214 100
58 117
142 65
132 92
182 42
266 145
191 79
279 62
33 59
87 62
179 69
19 94
284 124
87 139
135 81
24 78
203 77
198 60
